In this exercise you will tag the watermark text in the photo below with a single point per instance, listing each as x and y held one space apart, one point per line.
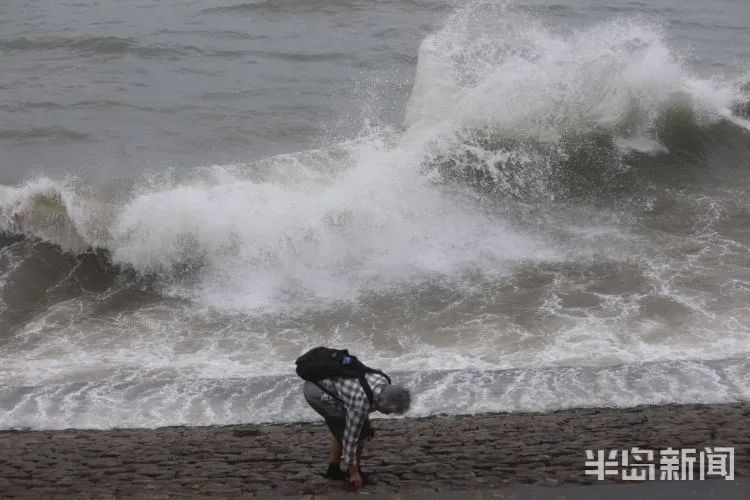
638 464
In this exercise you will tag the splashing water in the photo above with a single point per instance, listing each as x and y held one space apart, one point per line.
534 226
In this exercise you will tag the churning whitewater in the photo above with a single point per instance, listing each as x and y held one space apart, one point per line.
560 220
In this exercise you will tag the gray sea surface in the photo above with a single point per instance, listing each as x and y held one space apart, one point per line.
509 205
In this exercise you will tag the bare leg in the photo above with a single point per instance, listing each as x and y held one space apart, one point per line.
335 451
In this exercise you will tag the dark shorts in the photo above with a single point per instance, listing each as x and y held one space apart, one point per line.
332 411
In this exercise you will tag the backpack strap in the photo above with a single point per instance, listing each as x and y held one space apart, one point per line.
368 390
373 370
330 393
362 381
366 385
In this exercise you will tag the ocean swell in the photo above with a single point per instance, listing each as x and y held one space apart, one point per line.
500 102
516 106
559 220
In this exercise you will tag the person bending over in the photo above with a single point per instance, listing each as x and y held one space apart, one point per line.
344 405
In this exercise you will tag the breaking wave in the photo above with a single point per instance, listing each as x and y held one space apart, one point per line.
530 226
527 110
501 102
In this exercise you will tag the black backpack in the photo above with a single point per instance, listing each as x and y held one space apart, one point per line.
322 362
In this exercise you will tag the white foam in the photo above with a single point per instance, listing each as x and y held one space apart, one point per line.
269 258
279 399
322 226
494 69
259 245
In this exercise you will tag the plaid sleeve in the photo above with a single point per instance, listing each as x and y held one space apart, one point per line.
357 409
355 419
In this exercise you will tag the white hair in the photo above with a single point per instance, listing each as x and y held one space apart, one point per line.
395 398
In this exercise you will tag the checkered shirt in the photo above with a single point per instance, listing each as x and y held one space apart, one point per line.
354 400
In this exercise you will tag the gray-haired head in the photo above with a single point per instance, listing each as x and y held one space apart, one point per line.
394 399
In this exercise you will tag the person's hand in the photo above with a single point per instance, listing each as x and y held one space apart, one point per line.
356 479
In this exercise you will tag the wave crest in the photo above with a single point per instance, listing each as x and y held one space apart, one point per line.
501 102
494 69
512 106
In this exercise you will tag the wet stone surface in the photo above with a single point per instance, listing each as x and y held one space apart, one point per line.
430 454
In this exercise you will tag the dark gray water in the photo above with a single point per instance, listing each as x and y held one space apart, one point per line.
108 89
520 205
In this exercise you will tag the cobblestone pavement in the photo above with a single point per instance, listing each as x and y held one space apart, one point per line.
426 455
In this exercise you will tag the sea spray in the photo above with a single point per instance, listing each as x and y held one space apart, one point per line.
559 220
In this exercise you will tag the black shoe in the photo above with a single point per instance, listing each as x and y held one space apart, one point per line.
335 472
